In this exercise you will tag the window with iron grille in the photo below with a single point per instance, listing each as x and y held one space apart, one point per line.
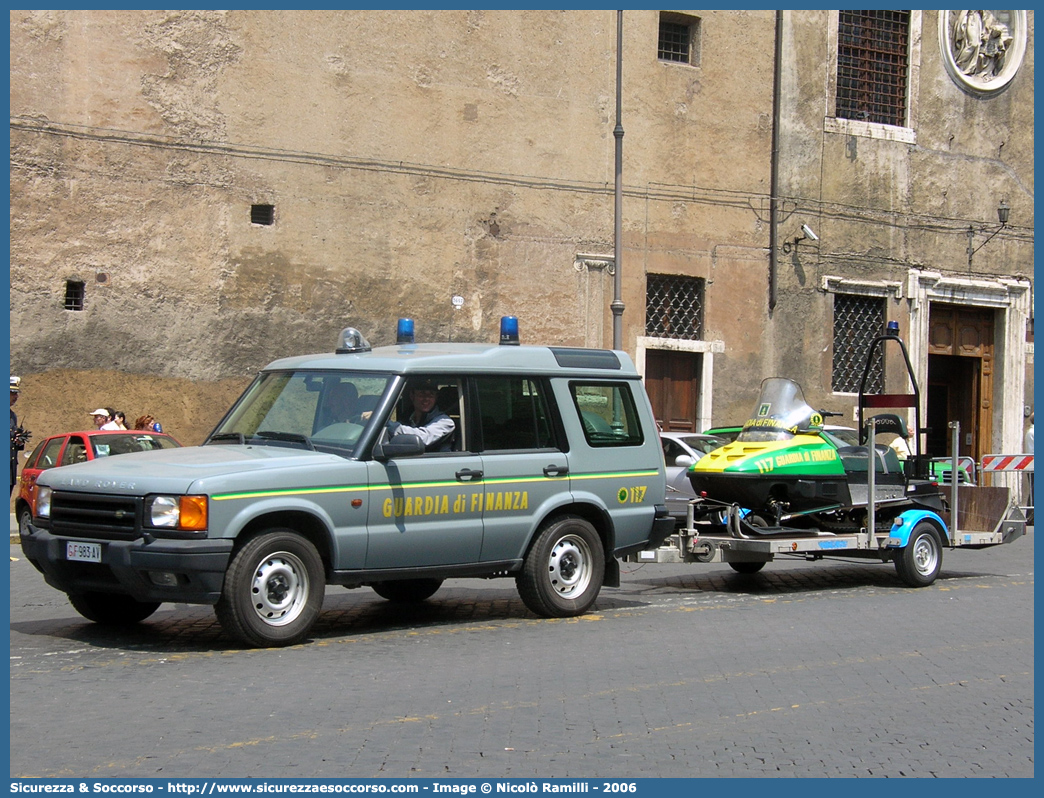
872 66
75 291
674 306
679 39
857 321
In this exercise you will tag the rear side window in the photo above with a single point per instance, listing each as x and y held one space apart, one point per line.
75 452
607 413
514 414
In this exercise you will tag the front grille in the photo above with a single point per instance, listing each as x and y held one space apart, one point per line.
93 515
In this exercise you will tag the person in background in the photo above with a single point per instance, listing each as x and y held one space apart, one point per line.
147 422
17 444
111 423
901 444
101 418
120 418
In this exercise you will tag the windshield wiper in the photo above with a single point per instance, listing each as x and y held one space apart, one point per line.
227 436
291 437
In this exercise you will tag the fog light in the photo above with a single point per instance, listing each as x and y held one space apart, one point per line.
163 578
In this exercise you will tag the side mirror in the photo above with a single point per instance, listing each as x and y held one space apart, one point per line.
399 446
684 460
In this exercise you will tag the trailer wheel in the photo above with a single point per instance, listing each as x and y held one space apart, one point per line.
563 571
746 567
921 559
273 590
407 590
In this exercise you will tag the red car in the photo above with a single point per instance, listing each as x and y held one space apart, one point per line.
78 447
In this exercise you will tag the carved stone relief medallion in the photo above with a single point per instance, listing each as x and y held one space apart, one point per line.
982 50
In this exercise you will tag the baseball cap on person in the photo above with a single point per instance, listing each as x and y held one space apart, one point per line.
101 411
424 385
16 384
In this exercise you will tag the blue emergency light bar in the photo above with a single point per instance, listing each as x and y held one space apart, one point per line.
404 332
509 331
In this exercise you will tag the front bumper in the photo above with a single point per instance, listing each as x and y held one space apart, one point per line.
194 568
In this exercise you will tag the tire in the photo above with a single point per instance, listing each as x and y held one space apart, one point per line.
746 567
563 572
25 522
273 590
404 591
111 609
921 559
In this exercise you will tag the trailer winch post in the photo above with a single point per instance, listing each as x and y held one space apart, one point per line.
871 482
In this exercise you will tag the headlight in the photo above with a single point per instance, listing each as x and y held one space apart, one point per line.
43 502
186 513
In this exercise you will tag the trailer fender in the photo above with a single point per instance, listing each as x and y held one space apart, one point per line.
903 526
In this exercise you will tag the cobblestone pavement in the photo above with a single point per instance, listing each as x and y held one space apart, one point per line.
806 669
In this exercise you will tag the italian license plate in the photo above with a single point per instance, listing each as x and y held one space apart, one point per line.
83 552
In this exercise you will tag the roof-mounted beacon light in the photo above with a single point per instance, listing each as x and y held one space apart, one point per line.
404 331
892 328
351 340
509 330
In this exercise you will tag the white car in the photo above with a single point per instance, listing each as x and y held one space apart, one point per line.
681 450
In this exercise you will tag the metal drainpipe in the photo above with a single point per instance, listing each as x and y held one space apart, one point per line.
774 196
618 132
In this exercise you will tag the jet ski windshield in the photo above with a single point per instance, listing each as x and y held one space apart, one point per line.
780 414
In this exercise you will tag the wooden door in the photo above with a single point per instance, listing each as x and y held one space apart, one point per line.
672 380
966 335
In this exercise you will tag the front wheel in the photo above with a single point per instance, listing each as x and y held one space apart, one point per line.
25 522
111 609
563 571
921 560
273 590
405 591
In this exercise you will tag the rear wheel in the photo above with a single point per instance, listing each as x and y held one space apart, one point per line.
563 571
921 560
111 609
407 590
273 590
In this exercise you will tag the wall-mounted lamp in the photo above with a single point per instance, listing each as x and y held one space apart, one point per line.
806 235
1003 211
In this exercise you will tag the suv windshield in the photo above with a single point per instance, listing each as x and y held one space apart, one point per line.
309 409
780 414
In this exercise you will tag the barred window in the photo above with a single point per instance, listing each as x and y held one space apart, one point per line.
857 321
872 62
674 306
679 39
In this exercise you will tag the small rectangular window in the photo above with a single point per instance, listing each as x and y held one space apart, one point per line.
262 214
679 39
514 414
74 294
607 414
857 321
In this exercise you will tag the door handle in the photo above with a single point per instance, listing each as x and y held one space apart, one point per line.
469 475
555 470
